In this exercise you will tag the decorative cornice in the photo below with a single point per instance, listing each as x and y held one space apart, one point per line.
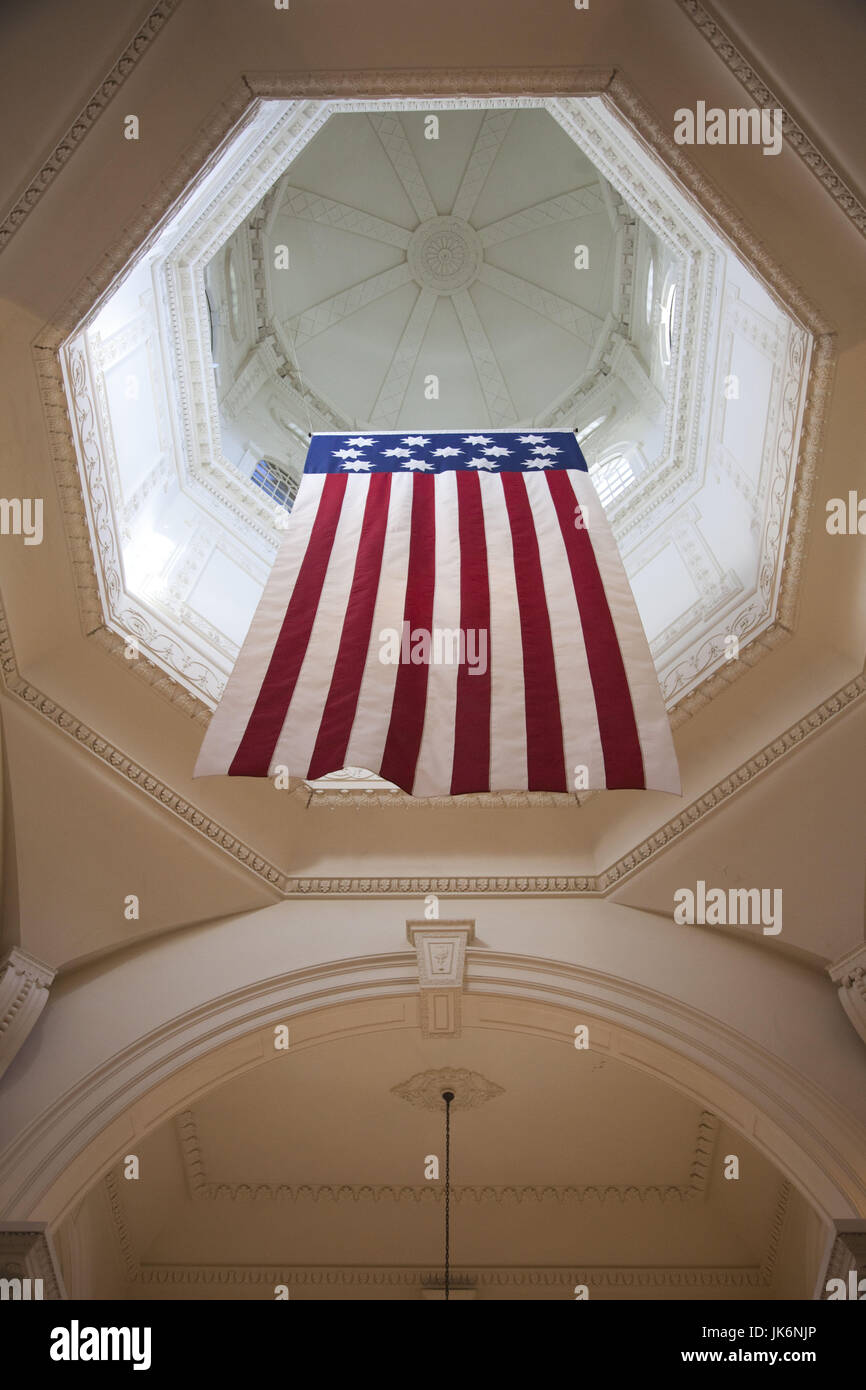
27 1252
24 985
200 1187
423 83
847 1252
86 118
792 738
540 83
777 1228
562 1277
763 96
589 885
28 970
849 975
112 757
770 1096
121 1230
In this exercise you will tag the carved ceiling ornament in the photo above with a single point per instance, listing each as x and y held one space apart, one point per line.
425 1088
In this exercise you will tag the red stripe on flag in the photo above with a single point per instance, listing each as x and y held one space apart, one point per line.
623 760
409 705
471 767
545 762
256 748
338 716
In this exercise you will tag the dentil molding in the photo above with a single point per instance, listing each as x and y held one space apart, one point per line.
591 885
27 1252
24 985
846 1255
763 96
790 1118
849 974
201 1187
86 118
561 1278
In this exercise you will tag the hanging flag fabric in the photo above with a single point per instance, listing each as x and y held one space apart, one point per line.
448 610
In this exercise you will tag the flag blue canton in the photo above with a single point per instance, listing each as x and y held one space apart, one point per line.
445 451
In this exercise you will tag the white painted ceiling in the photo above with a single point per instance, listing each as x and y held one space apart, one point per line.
333 262
317 1160
452 256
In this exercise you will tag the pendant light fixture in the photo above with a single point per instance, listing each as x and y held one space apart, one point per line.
447 1096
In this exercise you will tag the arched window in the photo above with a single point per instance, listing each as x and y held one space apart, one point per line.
612 475
668 322
590 428
276 481
233 291
650 276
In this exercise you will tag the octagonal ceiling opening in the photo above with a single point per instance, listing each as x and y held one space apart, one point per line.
338 267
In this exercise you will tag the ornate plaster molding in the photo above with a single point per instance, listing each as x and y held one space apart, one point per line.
623 98
24 985
425 1088
27 1252
561 1278
112 757
201 1187
420 83
551 1277
763 96
849 975
792 1120
441 951
86 118
589 885
233 114
846 1254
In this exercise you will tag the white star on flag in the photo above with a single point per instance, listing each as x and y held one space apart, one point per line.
417 465
446 453
532 439
346 453
546 449
416 440
495 452
359 465
481 463
476 439
538 461
363 443
396 453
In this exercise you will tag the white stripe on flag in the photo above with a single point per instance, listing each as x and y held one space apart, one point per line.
230 719
505 647
581 739
373 713
653 725
436 753
294 748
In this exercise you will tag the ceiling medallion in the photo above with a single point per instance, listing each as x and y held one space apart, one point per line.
445 254
469 1088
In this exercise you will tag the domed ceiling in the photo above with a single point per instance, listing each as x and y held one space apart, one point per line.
453 264
433 280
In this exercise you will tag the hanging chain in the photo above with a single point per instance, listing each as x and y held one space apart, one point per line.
447 1096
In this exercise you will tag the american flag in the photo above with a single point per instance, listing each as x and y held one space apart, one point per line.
448 610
